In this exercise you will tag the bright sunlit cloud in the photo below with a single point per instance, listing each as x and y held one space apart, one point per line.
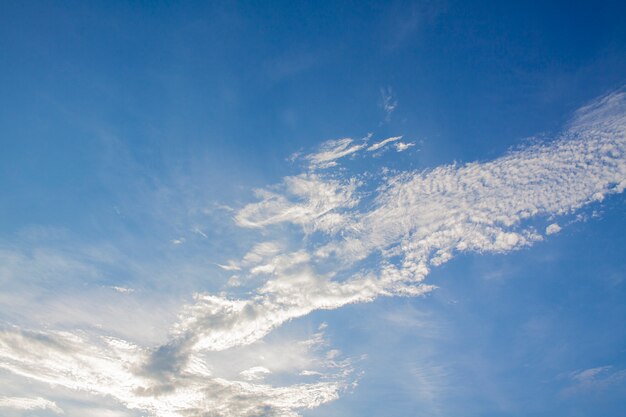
413 221
244 209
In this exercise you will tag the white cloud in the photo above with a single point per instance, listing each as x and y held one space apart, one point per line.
427 216
255 373
21 403
591 374
389 103
230 266
402 225
594 379
382 143
553 228
332 150
112 367
308 200
424 218
123 290
402 146
261 252
199 231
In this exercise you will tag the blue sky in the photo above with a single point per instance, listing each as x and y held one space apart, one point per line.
322 209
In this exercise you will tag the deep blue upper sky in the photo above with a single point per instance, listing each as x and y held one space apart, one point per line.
130 125
241 85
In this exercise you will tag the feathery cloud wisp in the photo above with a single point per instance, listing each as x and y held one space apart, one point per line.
330 151
389 103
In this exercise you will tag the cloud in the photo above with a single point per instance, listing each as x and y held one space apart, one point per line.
429 383
255 373
427 216
591 374
388 102
328 239
417 220
123 290
382 143
199 231
423 219
553 229
594 379
332 150
21 403
111 367
229 266
402 146
308 200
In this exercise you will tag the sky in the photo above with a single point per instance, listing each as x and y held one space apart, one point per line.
338 209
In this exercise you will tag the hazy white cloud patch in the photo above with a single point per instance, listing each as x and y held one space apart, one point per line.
595 379
192 387
591 374
21 403
230 266
255 373
429 384
328 239
123 290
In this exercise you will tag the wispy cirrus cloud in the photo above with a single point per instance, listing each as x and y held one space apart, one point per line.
112 367
308 199
388 102
348 238
330 151
378 145
595 379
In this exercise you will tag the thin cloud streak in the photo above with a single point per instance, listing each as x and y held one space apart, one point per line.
332 150
389 103
382 143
